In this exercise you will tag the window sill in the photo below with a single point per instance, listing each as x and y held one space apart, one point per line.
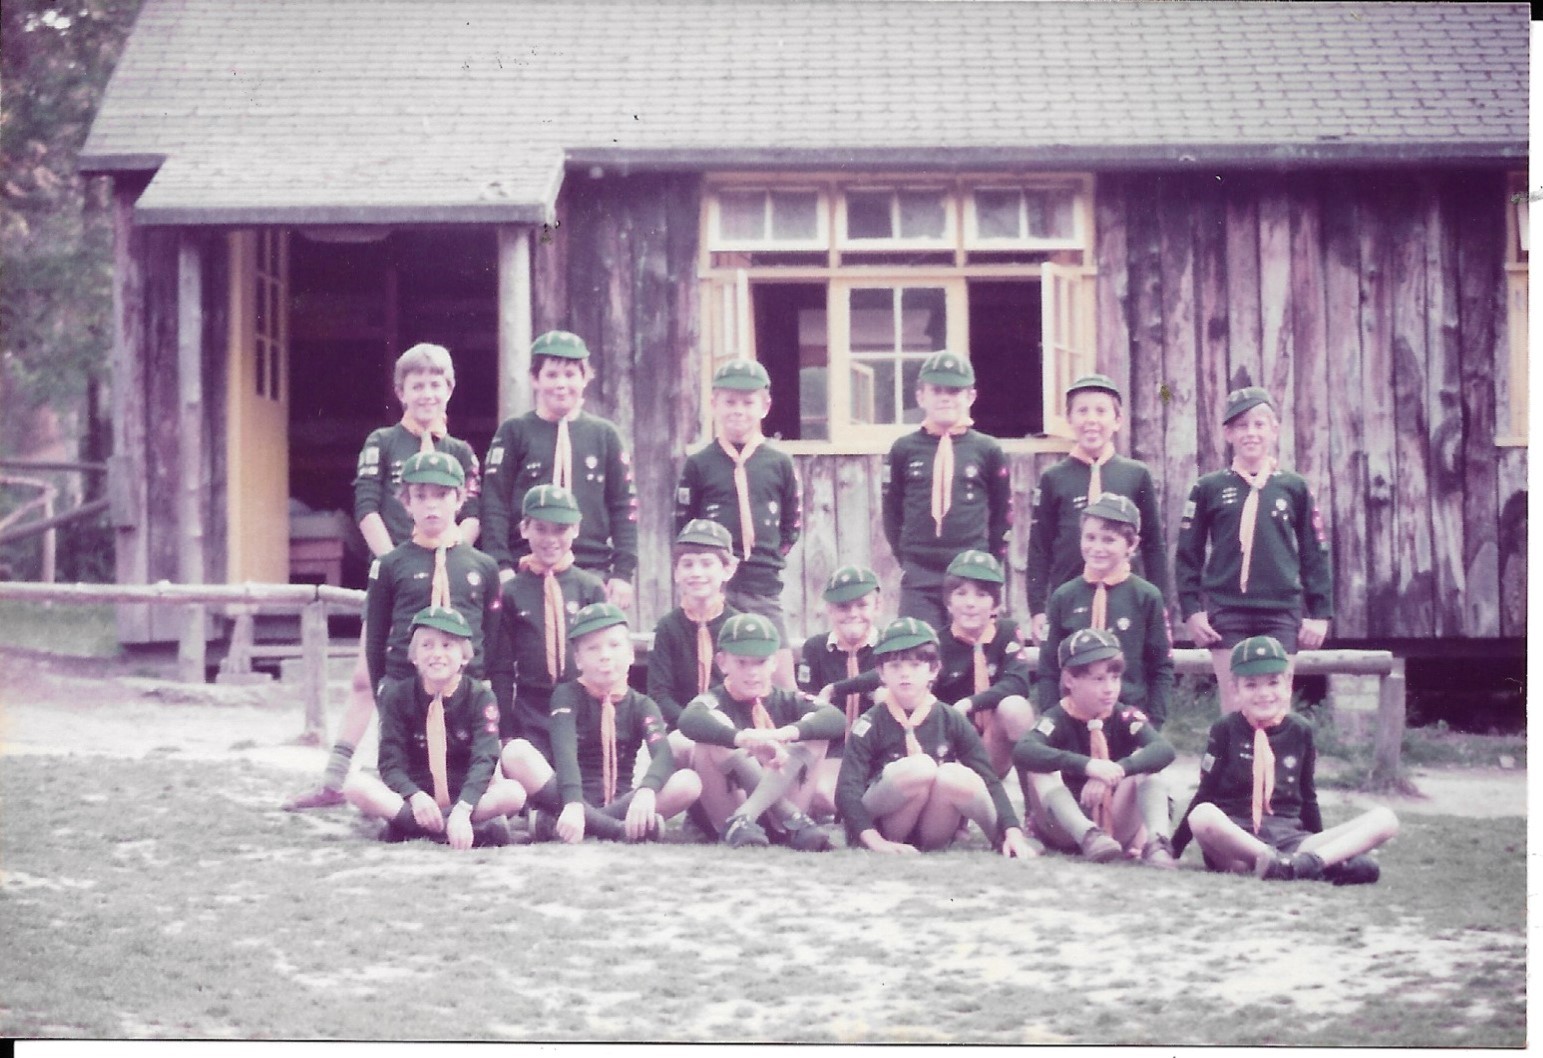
1013 446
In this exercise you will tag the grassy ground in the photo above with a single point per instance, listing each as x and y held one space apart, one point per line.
170 898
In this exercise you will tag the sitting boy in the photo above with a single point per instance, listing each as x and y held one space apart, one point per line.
1257 806
438 746
757 748
1093 764
598 724
913 767
851 605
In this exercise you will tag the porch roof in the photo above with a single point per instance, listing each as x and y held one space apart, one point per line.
402 111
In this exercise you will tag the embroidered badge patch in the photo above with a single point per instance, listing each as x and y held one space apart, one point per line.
860 728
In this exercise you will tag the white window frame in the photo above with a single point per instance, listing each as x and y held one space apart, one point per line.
1082 221
821 239
947 241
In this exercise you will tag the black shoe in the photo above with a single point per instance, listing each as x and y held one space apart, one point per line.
493 834
543 826
1306 867
1282 867
392 834
1357 870
802 834
743 832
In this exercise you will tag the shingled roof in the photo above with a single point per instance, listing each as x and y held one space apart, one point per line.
334 111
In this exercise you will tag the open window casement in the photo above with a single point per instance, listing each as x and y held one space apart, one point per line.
1068 341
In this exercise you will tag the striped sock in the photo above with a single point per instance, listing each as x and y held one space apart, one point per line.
338 762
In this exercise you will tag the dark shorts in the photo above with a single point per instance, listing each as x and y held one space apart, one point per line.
767 606
921 596
1281 833
1237 623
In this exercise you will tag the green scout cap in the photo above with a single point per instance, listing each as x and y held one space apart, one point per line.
947 369
741 373
1259 656
749 635
904 634
433 468
977 565
551 503
563 344
707 533
594 617
1099 382
1112 507
1240 400
444 619
1087 646
850 582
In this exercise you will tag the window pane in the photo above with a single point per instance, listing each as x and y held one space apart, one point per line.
873 320
996 214
924 320
795 215
1050 213
868 215
882 376
813 364
921 214
910 370
742 214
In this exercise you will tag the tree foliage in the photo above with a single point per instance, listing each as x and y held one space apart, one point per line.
55 229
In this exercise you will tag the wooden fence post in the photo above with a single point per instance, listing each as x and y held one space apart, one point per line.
1387 749
313 671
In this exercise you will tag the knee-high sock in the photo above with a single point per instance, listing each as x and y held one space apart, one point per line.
547 798
338 762
1152 799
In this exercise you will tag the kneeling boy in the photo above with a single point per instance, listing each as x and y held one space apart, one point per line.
1092 765
914 767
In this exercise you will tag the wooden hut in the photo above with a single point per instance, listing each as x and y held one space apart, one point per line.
1325 199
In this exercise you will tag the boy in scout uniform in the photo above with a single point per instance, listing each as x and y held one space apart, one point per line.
1092 469
598 725
558 443
913 767
532 654
1093 763
435 562
438 746
1256 808
758 747
1107 596
945 488
1253 555
751 488
851 607
681 664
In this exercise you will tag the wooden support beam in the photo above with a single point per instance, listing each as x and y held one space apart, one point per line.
1387 749
514 320
313 678
190 444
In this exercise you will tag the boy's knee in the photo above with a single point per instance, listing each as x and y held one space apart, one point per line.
958 782
518 757
1206 819
912 773
1385 822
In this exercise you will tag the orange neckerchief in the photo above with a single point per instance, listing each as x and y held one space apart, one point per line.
426 435
854 700
759 717
607 700
742 486
980 677
910 722
555 616
1101 593
1095 469
434 734
562 451
704 640
439 584
1256 483
1098 744
943 468
1264 767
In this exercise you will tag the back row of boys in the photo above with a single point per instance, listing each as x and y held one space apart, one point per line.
946 515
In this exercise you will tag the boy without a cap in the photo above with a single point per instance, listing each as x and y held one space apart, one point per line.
1092 469
945 488
1093 763
558 443
751 488
1109 597
1253 554
757 746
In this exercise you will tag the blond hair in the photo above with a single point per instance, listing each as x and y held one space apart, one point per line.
425 356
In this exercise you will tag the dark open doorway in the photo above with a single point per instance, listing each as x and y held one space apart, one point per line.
1005 347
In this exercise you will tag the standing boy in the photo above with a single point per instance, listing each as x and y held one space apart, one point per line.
1093 763
1267 571
533 655
598 725
757 748
1110 598
1090 470
558 443
751 488
1256 808
913 767
438 746
945 488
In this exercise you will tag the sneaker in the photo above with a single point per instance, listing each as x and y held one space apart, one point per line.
493 834
1100 847
803 834
1159 854
320 797
741 832
1357 870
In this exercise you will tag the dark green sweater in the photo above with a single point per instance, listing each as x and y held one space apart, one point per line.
706 490
715 717
471 739
823 664
979 516
672 663
1227 773
1060 742
400 586
1138 618
379 476
577 747
1005 667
